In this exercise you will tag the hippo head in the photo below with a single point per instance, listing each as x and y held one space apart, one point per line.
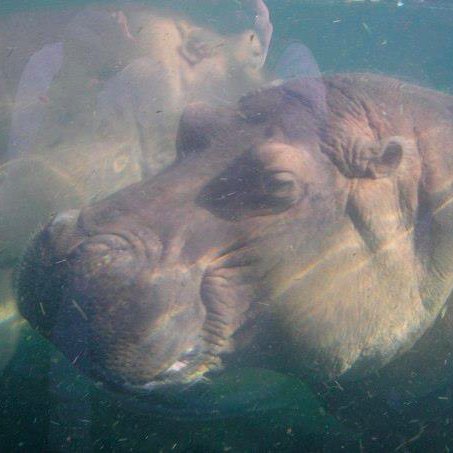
312 215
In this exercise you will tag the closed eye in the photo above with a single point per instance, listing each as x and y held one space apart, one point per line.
246 189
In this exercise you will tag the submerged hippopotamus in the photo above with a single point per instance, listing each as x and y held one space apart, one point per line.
317 223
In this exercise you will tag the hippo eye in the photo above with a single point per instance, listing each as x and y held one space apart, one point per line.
279 184
247 189
280 190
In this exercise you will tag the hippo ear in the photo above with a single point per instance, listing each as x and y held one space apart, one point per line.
374 160
387 159
196 129
195 43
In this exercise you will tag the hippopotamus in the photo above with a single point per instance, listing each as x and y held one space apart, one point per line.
319 226
91 97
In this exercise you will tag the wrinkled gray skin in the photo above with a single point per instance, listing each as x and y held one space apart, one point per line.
333 223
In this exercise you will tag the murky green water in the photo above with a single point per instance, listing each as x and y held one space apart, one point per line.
45 405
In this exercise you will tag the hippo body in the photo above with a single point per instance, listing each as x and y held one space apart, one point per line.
319 225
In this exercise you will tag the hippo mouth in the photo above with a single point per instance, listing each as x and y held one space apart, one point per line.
190 368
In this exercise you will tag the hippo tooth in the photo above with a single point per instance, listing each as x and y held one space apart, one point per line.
177 366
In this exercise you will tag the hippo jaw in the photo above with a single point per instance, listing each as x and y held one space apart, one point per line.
97 297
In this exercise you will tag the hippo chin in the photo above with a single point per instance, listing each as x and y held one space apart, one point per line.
329 217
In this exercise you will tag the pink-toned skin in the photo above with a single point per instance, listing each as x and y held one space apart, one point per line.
123 23
109 83
263 25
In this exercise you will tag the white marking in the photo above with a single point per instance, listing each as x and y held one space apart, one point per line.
177 366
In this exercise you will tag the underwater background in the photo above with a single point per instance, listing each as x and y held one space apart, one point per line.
45 405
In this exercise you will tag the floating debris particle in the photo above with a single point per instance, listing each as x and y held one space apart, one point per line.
79 309
366 28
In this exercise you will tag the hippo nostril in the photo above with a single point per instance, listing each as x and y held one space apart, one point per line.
105 243
106 254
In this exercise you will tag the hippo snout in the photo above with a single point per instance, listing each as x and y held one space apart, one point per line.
37 294
109 305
